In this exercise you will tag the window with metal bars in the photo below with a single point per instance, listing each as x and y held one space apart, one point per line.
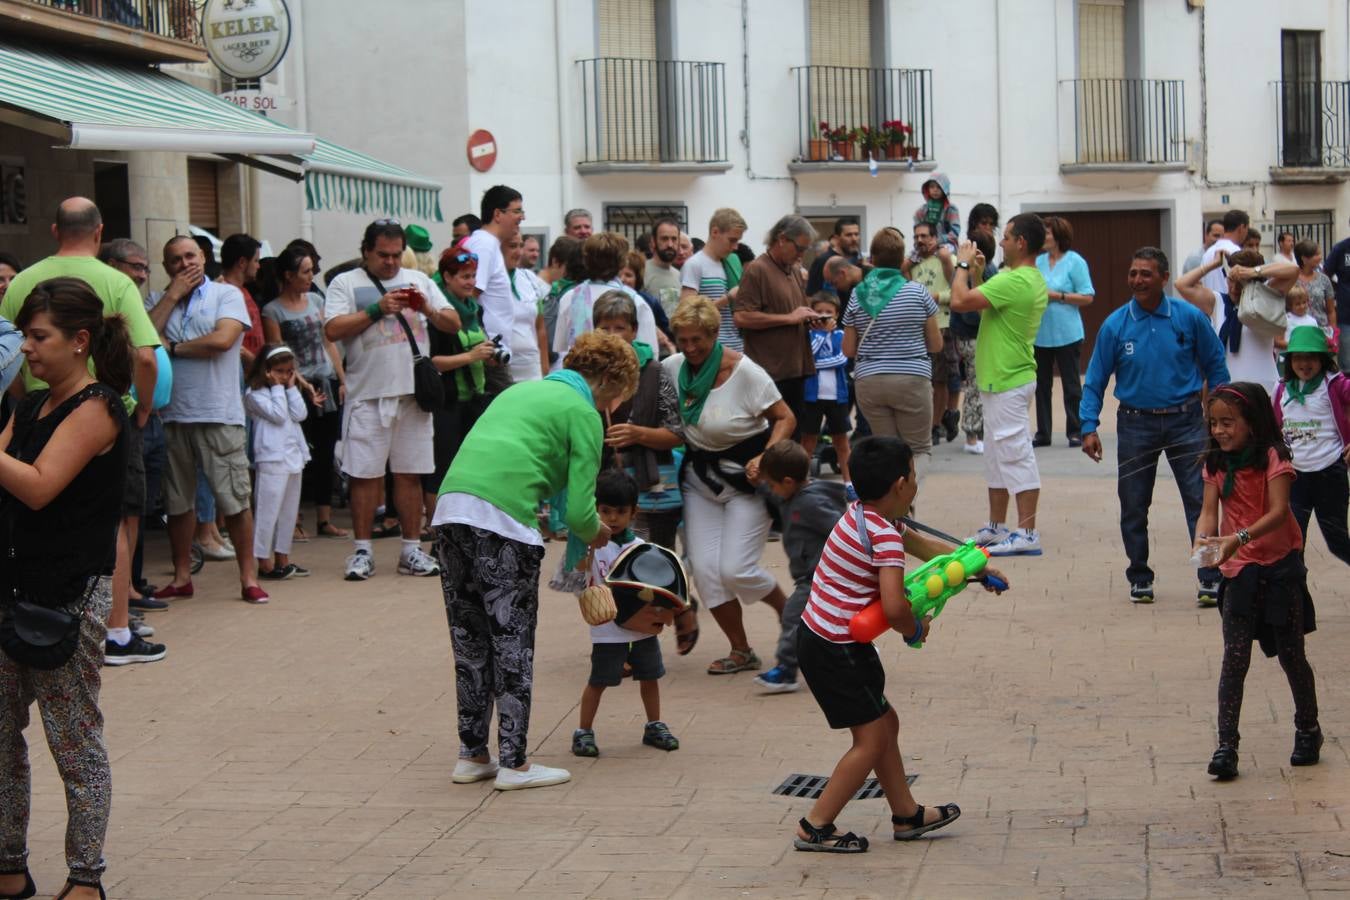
634 219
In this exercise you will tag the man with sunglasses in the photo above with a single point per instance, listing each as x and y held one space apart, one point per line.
502 214
374 310
773 314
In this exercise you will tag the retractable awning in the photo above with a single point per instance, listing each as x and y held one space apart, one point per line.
110 106
336 177
113 106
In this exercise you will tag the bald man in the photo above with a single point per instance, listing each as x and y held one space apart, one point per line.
78 232
843 275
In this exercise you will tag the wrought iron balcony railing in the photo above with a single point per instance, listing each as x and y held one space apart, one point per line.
173 19
1128 120
1312 124
845 112
653 111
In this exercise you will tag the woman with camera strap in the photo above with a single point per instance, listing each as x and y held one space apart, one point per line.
61 480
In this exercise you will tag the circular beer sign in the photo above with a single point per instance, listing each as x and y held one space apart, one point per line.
246 39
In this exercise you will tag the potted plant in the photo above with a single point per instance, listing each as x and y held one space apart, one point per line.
898 137
841 139
873 141
818 147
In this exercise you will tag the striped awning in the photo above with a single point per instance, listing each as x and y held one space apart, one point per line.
339 178
111 106
118 106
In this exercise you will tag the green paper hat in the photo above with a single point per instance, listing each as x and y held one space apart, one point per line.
1308 339
419 240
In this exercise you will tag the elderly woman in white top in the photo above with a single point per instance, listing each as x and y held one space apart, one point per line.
732 411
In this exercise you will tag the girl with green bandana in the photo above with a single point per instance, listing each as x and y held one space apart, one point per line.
535 440
731 411
1264 593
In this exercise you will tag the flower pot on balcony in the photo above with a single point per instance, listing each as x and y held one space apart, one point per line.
896 151
843 149
817 150
912 152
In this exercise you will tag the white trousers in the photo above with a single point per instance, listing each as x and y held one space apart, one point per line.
725 536
276 498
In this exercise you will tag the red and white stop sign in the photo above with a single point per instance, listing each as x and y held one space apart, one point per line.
482 150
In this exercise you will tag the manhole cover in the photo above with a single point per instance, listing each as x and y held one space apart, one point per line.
810 786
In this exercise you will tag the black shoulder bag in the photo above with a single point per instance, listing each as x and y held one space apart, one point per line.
428 389
32 634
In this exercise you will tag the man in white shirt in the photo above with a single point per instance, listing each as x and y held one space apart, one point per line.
1284 247
1213 231
502 213
576 224
529 340
374 311
707 274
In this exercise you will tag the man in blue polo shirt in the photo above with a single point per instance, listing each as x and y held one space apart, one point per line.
1163 352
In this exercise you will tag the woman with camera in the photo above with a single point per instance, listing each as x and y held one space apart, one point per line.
61 481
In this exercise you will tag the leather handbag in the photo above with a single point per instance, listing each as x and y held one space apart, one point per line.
39 637
1261 308
428 389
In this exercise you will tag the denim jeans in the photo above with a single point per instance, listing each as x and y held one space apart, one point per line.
1140 437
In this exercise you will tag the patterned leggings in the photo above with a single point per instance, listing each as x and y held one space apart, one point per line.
491 587
972 411
67 700
1239 631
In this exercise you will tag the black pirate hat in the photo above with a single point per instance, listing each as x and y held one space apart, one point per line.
648 573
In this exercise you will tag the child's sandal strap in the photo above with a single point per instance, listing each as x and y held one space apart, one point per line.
826 839
949 813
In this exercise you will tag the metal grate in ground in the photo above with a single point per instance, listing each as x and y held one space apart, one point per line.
810 787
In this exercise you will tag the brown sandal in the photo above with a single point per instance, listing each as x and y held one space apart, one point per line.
329 530
685 636
733 662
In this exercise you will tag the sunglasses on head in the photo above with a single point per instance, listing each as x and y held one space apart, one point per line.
387 222
466 257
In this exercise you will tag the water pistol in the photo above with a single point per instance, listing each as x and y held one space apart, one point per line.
928 589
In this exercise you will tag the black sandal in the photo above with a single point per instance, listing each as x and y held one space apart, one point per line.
72 885
950 813
686 640
825 840
29 889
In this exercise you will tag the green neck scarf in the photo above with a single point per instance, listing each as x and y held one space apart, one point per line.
471 380
731 267
1301 390
511 277
877 289
623 537
644 353
560 287
1232 462
694 387
468 309
932 213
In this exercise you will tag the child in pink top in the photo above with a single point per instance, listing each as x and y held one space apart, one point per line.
1264 594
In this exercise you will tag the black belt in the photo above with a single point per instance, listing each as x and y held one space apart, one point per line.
1189 405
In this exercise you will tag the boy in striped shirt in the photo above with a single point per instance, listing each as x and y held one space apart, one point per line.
864 559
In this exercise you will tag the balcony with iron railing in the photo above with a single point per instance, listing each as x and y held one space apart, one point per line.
846 114
1125 124
145 30
1312 132
652 115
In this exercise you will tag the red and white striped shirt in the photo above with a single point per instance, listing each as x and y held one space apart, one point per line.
847 577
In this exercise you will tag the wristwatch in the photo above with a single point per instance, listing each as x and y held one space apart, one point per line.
963 265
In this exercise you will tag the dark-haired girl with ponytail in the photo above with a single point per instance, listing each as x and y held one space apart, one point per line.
62 473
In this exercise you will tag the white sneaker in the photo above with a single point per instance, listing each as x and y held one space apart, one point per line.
418 562
360 566
535 776
975 449
1018 543
990 534
467 771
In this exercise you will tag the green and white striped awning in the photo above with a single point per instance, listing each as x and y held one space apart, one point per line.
117 106
111 106
339 178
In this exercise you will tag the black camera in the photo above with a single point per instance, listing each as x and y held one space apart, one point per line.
501 356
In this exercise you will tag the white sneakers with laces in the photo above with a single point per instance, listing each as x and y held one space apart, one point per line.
418 562
1022 542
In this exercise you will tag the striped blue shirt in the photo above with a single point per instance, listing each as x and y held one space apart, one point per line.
706 275
895 343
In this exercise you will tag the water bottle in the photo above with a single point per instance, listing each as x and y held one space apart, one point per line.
1206 554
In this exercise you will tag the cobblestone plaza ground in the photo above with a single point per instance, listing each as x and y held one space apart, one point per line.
305 748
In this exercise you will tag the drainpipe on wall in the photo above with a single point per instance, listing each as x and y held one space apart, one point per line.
745 99
998 111
1204 106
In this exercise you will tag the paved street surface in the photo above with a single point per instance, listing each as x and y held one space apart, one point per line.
305 748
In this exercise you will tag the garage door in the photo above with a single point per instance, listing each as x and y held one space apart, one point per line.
1107 241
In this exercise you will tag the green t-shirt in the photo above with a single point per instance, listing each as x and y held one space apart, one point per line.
118 293
1004 358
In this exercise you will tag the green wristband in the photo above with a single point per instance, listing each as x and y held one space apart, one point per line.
374 311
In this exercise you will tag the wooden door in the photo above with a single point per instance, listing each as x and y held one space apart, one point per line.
1107 240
